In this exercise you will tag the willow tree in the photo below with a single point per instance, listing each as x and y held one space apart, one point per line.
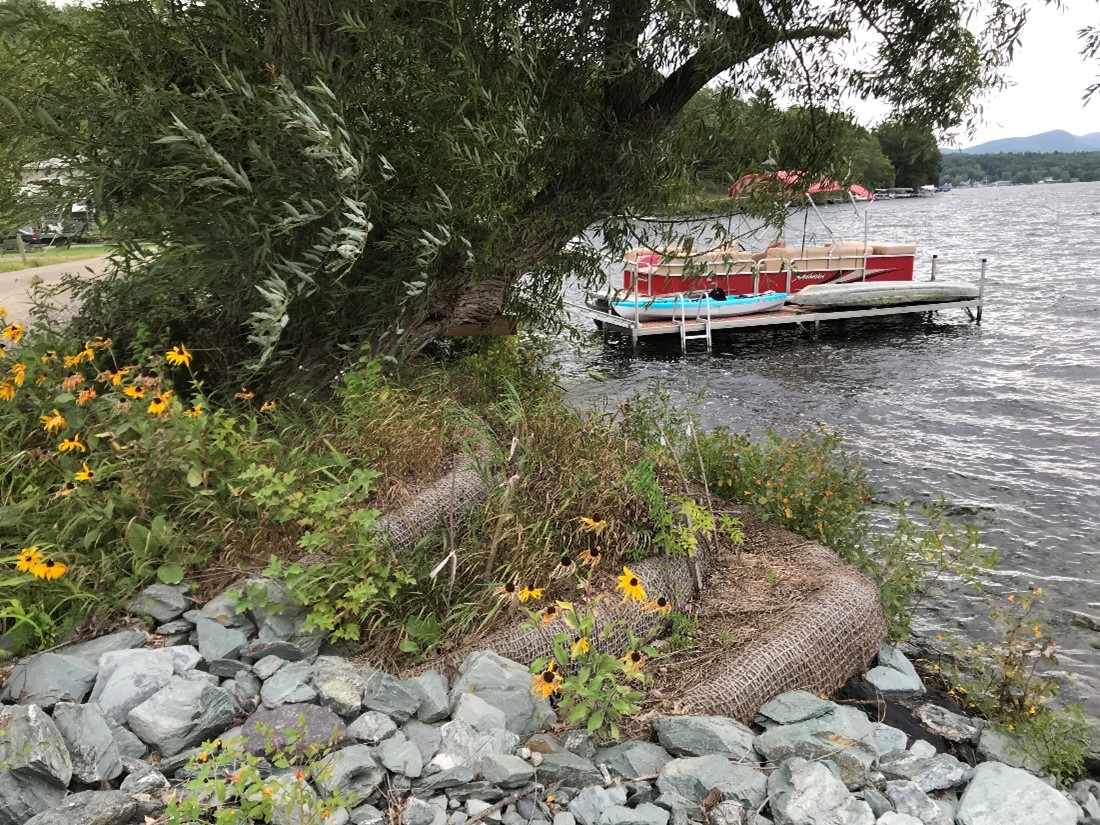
317 173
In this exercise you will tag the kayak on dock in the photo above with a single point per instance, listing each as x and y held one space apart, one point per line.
696 306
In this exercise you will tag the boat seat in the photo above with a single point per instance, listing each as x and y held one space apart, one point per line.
894 249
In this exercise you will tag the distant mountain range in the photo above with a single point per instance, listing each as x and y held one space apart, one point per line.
1056 141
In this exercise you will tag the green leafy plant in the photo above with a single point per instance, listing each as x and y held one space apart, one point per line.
683 631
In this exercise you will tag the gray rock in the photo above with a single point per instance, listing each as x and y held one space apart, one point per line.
291 628
218 641
434 704
227 668
201 676
844 735
267 667
267 729
936 773
706 735
182 715
401 756
289 686
293 802
791 707
89 808
367 815
633 759
999 794
339 695
245 688
389 695
805 793
174 628
693 778
644 814
580 742
417 812
506 685
351 770
161 602
564 818
35 768
372 727
878 802
129 677
49 678
479 714
1000 746
570 770
506 771
1085 620
427 738
587 805
476 806
888 739
922 749
462 744
727 813
92 748
908 799
892 818
448 778
143 778
224 610
129 746
895 674
951 726
91 650
279 649
677 807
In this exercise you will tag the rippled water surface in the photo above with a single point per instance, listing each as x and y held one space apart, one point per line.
1002 418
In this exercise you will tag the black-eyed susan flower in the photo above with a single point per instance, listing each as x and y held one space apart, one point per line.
3 350
631 586
546 683
49 569
633 661
101 343
194 412
41 379
268 406
530 594
566 566
553 611
158 406
591 556
53 422
13 332
66 490
579 647
591 525
87 474
49 355
18 374
72 381
659 605
507 592
245 394
178 356
134 392
85 396
73 443
27 559
113 377
7 391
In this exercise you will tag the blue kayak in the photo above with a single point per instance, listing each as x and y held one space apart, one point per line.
696 307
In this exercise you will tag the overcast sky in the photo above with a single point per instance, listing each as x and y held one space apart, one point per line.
1050 76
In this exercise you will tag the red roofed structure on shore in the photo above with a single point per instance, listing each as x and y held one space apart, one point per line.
792 181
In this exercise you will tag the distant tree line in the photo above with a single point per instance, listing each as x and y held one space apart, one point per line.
1021 167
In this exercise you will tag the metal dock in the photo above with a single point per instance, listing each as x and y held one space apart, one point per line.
702 327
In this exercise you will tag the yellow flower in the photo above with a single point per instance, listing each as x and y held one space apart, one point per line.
1012 597
53 422
566 567
787 511
18 373
72 444
1033 710
194 412
267 790
178 356
631 586
133 392
530 594
507 592
67 489
101 343
202 756
546 683
28 558
85 396
113 377
86 354
14 332
659 605
49 355
7 391
551 612
633 661
1038 632
49 570
73 381
159 405
592 525
579 647
591 556
1039 592
87 474
268 406
245 394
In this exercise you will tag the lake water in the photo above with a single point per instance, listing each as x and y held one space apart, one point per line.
1002 418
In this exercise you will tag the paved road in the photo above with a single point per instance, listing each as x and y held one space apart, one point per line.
15 287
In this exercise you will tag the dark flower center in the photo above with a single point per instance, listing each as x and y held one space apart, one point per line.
49 564
633 582
662 601
635 656
551 610
548 676
566 561
509 588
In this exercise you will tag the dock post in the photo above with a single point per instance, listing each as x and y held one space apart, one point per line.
934 257
981 294
790 270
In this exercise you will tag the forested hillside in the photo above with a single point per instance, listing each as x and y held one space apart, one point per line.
1023 167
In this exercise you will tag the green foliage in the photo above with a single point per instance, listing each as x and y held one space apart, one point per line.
1013 682
912 149
683 631
1021 167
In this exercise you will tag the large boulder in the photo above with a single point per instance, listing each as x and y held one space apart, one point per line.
91 744
216 641
89 808
705 736
161 602
35 767
951 726
908 799
808 793
695 777
999 794
587 806
290 685
49 678
182 715
295 728
930 773
505 685
791 707
389 695
843 734
93 649
632 760
350 771
128 677
894 675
